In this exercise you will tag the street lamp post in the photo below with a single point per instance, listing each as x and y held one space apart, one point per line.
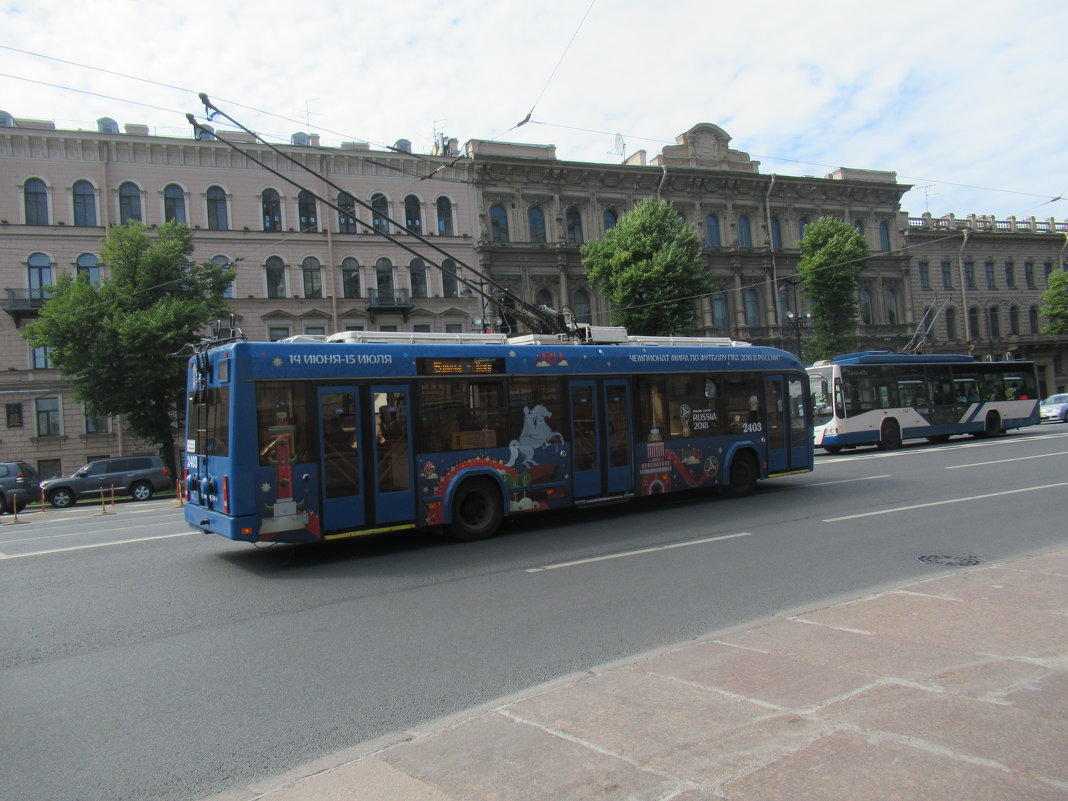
798 321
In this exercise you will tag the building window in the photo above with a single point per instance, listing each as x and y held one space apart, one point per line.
573 223
309 222
947 275
925 275
1032 319
1010 275
350 277
417 278
712 231
989 269
275 272
951 323
413 214
1029 275
858 225
884 236
536 220
865 307
87 265
173 203
969 274
1014 320
891 306
745 233
379 212
752 308
994 319
581 306
42 358
129 203
498 224
720 313
313 277
610 219
217 217
84 204
47 410
276 333
224 261
36 196
95 423
39 276
776 233
450 286
1047 268
13 413
544 298
973 322
445 227
801 225
271 205
346 216
384 277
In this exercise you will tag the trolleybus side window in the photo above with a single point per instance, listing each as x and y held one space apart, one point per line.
210 423
693 402
744 408
282 423
651 414
536 410
457 415
391 430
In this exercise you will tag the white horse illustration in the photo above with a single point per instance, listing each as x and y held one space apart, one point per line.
535 434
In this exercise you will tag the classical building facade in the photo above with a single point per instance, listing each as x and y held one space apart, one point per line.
309 258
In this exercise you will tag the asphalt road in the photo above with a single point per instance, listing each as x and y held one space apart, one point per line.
140 661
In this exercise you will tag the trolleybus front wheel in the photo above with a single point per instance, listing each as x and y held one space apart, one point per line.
476 510
890 437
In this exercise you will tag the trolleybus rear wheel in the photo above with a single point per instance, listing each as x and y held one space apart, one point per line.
476 510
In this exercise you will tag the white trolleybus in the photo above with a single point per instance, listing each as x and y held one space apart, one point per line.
881 398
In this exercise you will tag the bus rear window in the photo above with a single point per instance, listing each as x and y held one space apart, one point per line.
209 421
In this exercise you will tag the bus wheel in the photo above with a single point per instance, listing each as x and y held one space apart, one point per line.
832 448
890 437
993 425
476 510
743 475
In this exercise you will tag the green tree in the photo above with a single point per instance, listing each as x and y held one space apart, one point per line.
115 342
1055 304
833 254
649 268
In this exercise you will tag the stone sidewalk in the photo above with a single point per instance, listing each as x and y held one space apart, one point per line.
953 687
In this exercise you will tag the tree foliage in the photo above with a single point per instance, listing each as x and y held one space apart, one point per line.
833 254
649 268
115 341
1055 304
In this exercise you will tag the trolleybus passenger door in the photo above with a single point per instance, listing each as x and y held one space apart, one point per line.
619 452
340 433
787 434
601 446
394 482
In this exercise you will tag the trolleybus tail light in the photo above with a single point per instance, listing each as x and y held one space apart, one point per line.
226 494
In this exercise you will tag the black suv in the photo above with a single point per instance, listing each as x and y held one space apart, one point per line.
138 476
19 485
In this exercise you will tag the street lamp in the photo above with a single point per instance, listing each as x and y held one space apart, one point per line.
798 321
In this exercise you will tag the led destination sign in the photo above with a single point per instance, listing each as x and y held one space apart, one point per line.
461 366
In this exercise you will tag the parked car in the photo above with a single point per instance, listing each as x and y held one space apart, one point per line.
1055 408
138 476
19 485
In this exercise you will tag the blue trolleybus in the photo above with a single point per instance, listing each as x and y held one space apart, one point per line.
881 398
303 441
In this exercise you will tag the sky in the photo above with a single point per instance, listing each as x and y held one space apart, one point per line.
966 101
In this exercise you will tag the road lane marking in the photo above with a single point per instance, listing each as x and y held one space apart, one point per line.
943 503
827 460
94 545
1002 461
638 552
848 480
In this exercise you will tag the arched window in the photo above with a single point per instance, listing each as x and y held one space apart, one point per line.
379 212
712 230
951 323
973 323
745 233
776 233
224 261
275 272
498 224
450 286
413 214
1032 319
445 217
129 203
39 275
891 306
610 219
801 225
1014 320
580 305
84 204
309 221
993 317
346 216
884 236
88 265
544 298
350 277
865 307
536 220
573 224
272 210
218 220
859 226
35 194
384 279
313 277
174 204
752 308
720 311
417 278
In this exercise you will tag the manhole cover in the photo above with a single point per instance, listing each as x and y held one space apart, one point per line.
949 561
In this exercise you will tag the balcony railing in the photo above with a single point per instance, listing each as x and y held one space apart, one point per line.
25 303
389 300
988 223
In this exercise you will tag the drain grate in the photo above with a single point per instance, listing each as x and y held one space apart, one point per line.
949 561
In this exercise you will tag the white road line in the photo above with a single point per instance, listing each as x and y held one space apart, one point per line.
829 460
848 480
943 503
1002 461
639 552
95 545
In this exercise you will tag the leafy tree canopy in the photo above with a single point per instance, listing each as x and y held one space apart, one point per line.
649 267
833 254
115 341
1055 304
